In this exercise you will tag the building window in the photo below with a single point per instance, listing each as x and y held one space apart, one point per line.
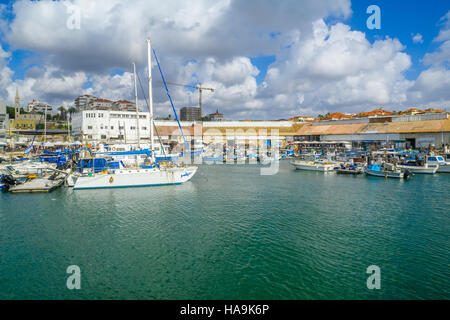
103 137
89 127
112 127
144 128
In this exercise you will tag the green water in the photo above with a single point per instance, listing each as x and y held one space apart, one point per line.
231 233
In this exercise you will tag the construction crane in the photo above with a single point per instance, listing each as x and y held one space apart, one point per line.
200 90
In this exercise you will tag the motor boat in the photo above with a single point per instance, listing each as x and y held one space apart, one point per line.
386 171
438 161
311 165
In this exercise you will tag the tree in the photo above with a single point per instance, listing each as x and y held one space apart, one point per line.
11 112
63 113
72 110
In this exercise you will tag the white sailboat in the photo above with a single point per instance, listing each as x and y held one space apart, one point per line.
153 175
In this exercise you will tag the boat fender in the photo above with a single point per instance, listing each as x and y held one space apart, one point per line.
111 180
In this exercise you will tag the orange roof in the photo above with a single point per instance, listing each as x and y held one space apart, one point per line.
413 110
432 110
381 112
125 101
337 115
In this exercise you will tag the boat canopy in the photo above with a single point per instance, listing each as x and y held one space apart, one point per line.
374 167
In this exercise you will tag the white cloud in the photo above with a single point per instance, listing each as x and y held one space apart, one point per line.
431 88
417 38
337 68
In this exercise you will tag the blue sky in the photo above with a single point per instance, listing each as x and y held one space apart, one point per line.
227 53
400 19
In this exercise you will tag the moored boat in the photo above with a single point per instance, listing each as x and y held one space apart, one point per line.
312 166
425 169
377 171
350 169
438 161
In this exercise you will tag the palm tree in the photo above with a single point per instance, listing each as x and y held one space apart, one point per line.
63 113
72 110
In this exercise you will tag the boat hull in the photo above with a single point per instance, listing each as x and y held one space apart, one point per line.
136 178
385 174
419 170
442 168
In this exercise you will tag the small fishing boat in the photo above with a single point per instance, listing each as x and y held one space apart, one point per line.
386 171
350 169
417 164
312 165
425 169
438 161
25 168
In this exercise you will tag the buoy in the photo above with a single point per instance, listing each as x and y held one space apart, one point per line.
111 180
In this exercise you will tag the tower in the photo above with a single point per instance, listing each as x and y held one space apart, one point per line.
17 105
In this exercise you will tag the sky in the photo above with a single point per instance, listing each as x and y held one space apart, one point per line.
266 59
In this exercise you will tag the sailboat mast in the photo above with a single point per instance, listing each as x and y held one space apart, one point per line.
150 92
137 108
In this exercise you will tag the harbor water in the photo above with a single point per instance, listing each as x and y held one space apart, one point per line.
231 233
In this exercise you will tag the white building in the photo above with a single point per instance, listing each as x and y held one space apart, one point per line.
82 102
108 126
123 105
121 126
38 106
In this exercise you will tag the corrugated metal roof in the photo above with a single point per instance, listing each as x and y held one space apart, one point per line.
328 129
387 127
331 129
